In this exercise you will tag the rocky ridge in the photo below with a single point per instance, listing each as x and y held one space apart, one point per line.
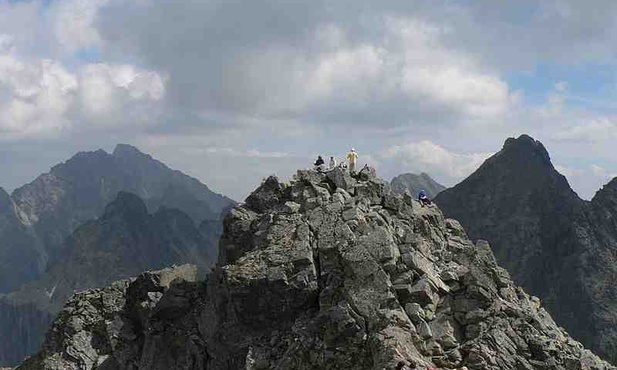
557 246
324 272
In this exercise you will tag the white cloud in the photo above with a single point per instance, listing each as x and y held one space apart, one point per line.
568 172
325 64
601 172
587 179
108 91
34 97
439 75
73 23
592 131
294 77
41 98
426 156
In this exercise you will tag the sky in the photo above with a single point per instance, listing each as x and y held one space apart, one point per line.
232 91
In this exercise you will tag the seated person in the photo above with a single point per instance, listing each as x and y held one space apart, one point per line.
319 163
423 198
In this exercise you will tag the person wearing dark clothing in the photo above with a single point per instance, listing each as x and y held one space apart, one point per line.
423 198
320 165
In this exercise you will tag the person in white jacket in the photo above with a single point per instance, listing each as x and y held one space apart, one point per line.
352 159
332 162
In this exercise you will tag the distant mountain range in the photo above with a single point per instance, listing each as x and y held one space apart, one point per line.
123 242
559 247
94 219
414 183
36 218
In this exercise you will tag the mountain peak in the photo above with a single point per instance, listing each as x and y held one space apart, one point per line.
122 150
526 147
126 204
545 236
413 183
608 193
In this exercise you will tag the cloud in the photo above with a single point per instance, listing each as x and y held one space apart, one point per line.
42 98
323 63
593 131
72 23
426 156
271 83
34 97
111 95
601 172
587 179
568 172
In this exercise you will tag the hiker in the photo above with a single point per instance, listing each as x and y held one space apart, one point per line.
352 157
332 162
319 163
423 199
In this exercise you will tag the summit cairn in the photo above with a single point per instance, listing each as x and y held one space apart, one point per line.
333 271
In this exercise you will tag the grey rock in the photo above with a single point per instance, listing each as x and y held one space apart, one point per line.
291 207
341 179
307 291
266 196
557 246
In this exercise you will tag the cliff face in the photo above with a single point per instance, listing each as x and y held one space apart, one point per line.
327 272
415 183
557 246
20 251
123 242
21 326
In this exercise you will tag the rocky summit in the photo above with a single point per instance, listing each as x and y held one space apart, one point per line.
327 271
557 246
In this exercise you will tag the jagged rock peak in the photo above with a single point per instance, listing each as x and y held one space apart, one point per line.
126 150
526 147
608 191
126 204
328 271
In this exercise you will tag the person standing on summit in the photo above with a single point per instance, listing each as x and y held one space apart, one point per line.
352 158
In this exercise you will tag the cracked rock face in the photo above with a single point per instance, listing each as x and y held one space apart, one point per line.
557 246
325 272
